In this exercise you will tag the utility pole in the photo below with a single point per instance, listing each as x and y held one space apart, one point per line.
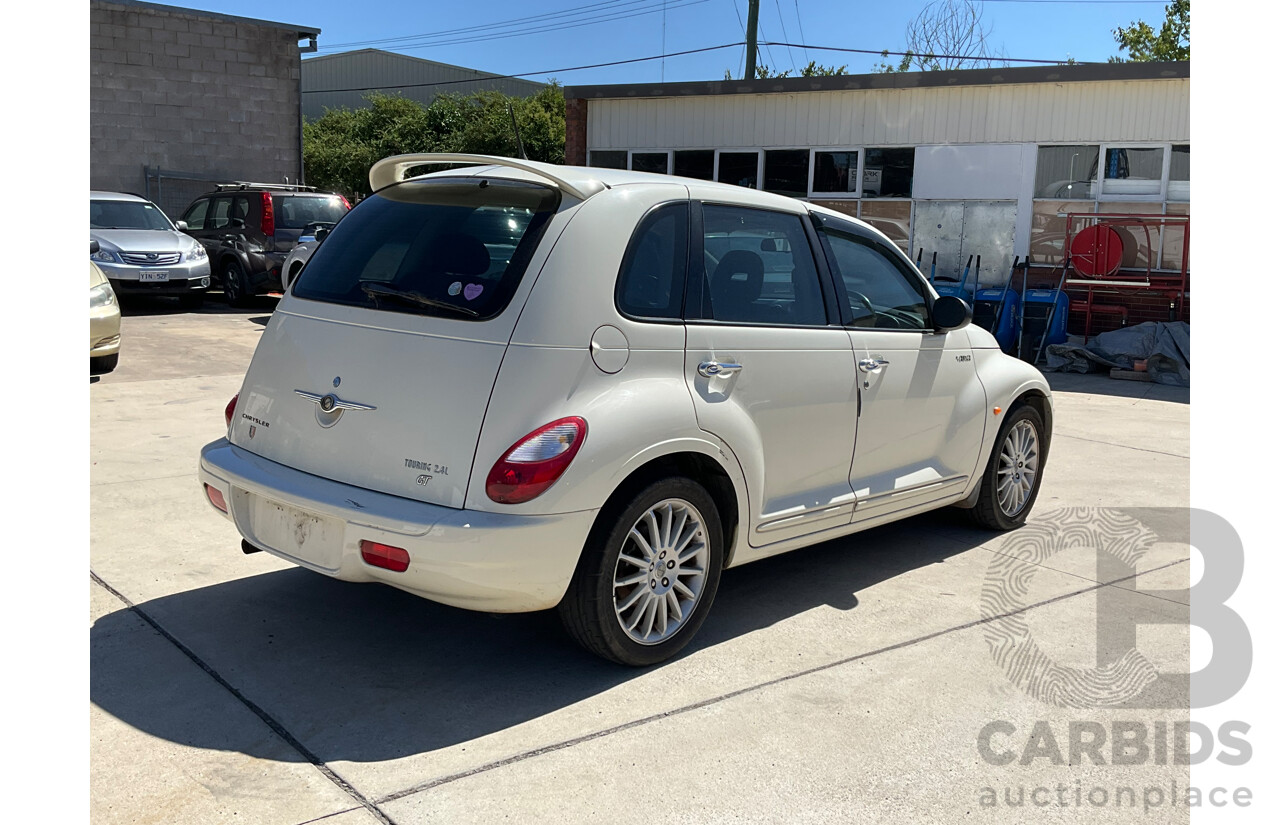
753 17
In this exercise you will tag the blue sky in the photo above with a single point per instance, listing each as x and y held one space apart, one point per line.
1048 29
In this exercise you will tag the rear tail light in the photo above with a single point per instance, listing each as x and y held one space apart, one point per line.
231 408
535 462
345 202
395 559
268 215
215 497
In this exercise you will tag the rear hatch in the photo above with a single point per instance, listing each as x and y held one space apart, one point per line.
377 369
295 214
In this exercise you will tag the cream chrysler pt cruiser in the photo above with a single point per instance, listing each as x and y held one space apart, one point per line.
514 386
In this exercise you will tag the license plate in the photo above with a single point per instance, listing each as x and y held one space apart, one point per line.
153 275
305 536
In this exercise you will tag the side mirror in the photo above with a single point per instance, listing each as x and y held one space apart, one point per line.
950 312
181 226
93 247
321 234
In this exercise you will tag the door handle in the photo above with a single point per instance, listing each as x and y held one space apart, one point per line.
872 364
710 369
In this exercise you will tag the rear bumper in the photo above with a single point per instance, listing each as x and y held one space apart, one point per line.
465 558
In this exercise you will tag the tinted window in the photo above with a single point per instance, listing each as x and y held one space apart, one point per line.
195 215
609 159
880 292
649 162
835 172
786 172
451 247
126 215
887 173
296 211
219 214
695 163
651 283
1064 172
240 209
740 168
758 268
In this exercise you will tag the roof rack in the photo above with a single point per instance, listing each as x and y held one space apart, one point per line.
241 184
392 170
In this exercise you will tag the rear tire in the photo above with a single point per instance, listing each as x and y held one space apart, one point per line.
648 574
1007 494
235 285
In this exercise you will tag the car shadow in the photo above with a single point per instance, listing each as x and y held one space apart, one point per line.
368 673
1101 383
214 304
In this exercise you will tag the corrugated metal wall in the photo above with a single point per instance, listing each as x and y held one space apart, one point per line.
1137 111
386 71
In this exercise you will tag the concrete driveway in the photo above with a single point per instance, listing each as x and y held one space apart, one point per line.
852 681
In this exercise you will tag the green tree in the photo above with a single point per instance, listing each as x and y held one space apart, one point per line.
814 69
340 146
1172 42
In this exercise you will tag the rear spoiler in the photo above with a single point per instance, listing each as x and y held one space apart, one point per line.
392 170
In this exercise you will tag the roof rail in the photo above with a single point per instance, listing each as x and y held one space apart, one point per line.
242 184
392 170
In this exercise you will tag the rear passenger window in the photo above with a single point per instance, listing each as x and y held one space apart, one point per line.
651 281
758 268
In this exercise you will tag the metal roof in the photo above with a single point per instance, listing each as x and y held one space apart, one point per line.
1000 76
301 31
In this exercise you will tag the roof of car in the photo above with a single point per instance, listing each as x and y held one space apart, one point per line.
116 196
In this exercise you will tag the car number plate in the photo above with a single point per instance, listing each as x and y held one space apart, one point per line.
304 536
154 275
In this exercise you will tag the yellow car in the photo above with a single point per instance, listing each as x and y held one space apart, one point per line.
104 323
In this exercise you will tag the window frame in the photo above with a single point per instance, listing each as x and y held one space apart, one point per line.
1104 197
834 196
633 243
838 226
631 153
694 286
757 151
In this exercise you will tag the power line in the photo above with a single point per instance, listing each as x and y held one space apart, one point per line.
524 74
786 36
508 30
883 52
800 23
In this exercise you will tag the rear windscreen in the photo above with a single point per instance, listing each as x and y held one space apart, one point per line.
453 247
296 211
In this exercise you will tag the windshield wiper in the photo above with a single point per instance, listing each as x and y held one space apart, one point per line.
377 289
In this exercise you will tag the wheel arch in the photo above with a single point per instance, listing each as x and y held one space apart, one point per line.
725 487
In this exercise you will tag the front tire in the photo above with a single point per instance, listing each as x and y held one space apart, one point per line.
1012 478
103 364
235 286
648 574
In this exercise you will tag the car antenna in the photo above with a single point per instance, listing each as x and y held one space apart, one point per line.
515 127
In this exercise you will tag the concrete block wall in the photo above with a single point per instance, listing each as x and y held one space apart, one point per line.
182 91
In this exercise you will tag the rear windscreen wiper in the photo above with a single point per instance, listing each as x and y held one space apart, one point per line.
377 289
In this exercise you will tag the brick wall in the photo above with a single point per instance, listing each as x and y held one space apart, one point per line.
575 131
185 92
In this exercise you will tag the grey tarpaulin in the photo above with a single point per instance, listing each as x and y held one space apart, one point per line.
1166 346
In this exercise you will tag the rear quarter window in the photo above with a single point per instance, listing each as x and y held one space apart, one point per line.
450 247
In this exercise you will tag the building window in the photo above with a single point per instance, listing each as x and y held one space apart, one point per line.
887 173
696 163
835 174
1180 174
739 169
657 162
1129 171
786 172
1066 172
608 160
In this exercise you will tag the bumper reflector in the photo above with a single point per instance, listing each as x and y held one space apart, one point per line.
385 556
215 497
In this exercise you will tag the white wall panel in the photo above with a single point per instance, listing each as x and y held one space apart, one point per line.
1148 110
983 171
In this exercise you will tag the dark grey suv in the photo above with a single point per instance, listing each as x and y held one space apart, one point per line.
248 230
